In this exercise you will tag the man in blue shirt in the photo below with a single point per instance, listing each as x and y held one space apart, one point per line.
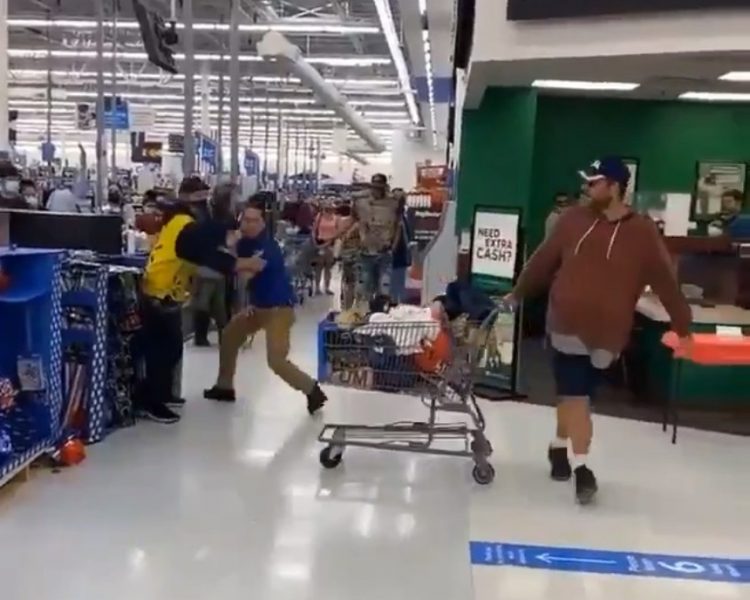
271 308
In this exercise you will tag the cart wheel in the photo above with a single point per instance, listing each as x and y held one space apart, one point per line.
330 457
478 449
483 474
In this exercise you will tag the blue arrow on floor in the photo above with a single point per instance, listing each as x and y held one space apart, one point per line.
608 562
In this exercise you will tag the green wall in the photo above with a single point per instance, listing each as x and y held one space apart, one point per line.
668 138
497 149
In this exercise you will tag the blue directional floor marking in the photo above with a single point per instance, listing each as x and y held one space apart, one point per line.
584 560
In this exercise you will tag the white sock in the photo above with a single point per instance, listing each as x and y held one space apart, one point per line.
579 460
559 443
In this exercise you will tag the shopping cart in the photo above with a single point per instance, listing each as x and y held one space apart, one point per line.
390 357
299 253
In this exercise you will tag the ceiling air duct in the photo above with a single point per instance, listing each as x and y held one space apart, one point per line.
275 47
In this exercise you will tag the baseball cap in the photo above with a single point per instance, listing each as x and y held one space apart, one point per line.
610 167
193 185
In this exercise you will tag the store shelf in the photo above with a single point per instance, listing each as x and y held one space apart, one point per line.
22 295
17 463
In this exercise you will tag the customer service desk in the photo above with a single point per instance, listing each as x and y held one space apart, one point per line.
698 385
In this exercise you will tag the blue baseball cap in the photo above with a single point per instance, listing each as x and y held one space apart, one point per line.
611 167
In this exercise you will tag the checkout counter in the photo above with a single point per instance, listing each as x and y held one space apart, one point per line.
719 270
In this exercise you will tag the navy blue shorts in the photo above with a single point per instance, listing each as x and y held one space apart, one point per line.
575 375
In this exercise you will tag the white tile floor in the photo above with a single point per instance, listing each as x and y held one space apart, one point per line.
232 504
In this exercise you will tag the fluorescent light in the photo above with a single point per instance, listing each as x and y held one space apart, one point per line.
394 46
604 86
736 76
715 96
300 26
422 7
334 61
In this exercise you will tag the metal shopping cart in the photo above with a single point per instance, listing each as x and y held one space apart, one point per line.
299 253
407 358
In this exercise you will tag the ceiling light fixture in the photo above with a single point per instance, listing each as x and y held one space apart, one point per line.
394 46
430 79
715 96
333 61
736 76
603 86
299 26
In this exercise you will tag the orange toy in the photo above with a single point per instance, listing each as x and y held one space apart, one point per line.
73 452
435 353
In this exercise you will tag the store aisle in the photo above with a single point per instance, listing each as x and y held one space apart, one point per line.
232 504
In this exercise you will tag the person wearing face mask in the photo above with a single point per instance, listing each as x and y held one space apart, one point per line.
10 187
30 195
598 259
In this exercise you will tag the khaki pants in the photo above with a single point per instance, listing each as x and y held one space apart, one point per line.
277 323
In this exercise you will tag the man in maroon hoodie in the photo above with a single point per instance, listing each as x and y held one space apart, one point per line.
596 262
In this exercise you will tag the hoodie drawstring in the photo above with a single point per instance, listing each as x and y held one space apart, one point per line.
612 239
588 233
585 235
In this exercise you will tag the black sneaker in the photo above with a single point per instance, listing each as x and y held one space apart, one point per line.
558 460
161 414
586 487
176 402
220 394
316 399
201 343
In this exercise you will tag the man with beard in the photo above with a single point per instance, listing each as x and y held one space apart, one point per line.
598 259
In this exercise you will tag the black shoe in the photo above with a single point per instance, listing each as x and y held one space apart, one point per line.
160 413
316 399
586 487
201 343
558 460
176 402
220 394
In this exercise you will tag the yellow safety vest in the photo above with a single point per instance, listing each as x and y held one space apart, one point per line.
167 275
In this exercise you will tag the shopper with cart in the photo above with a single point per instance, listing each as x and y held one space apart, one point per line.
598 258
271 308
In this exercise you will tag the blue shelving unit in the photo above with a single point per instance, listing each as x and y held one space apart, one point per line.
93 296
30 318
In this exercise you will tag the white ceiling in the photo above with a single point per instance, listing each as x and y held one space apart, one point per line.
662 76
373 89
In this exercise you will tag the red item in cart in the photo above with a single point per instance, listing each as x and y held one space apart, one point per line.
434 353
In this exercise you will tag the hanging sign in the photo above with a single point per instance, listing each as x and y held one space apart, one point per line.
494 251
142 117
251 163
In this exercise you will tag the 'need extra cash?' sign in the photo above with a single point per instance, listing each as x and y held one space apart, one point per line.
495 244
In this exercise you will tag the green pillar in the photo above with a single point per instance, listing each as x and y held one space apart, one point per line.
497 151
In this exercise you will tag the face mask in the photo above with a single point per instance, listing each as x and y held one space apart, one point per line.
32 201
11 186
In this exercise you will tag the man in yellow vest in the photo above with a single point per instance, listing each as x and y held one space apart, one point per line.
182 245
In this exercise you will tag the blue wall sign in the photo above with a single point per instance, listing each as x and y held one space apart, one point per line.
252 163
699 568
119 116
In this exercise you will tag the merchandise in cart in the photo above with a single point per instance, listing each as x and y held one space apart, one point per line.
435 361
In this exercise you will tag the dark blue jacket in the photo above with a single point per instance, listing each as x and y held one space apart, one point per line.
272 287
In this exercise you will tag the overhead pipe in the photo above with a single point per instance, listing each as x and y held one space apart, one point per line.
276 47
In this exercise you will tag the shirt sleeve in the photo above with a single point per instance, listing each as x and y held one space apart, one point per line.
661 276
538 272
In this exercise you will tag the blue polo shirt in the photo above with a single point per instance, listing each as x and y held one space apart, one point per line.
272 287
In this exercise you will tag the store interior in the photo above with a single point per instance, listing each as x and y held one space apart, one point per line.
440 387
